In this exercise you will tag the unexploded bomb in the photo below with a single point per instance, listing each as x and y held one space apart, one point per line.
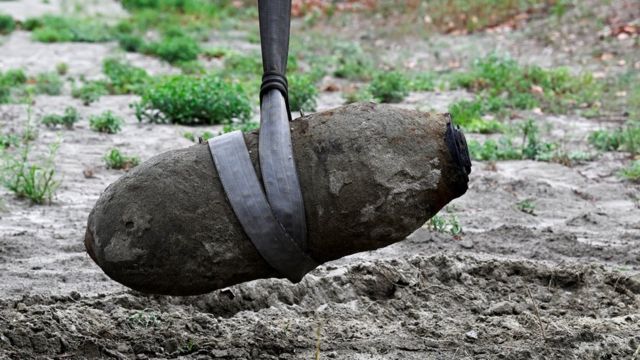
370 175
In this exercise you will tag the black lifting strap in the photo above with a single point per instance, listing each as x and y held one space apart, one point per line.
275 223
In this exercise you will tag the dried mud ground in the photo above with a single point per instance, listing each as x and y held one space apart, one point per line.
561 284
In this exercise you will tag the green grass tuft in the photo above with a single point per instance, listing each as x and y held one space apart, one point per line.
62 68
90 91
303 93
68 119
423 81
124 78
244 127
389 87
114 159
131 42
52 28
48 83
531 147
107 122
469 115
626 138
175 49
11 83
192 100
352 63
7 24
502 82
33 179
632 172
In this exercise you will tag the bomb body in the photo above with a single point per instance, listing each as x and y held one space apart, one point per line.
370 175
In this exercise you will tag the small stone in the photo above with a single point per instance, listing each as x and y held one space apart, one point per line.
633 283
123 348
21 307
466 244
75 295
471 335
88 173
171 345
501 308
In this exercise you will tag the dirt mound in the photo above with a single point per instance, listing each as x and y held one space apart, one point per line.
442 305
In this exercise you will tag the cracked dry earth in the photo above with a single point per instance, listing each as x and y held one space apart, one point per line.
562 283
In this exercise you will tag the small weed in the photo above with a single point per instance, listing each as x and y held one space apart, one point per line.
175 49
201 8
114 159
123 77
560 8
249 66
33 180
438 223
492 150
441 224
106 122
192 68
12 82
501 81
352 63
454 225
60 29
32 23
68 119
389 87
244 127
302 93
49 83
192 100
13 77
531 147
62 69
9 140
357 95
131 42
424 81
469 115
243 65
144 318
189 347
632 172
625 139
527 206
90 91
7 24
189 136
216 52
205 136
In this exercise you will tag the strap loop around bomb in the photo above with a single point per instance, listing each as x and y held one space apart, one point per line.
241 184
279 173
273 218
